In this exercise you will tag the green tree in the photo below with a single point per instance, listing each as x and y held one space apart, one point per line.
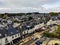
53 13
58 30
30 18
1 15
51 35
56 44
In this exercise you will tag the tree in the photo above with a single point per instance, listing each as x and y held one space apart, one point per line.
53 13
56 44
30 18
58 30
51 35
5 16
1 15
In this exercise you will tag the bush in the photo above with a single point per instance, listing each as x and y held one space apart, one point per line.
56 44
51 35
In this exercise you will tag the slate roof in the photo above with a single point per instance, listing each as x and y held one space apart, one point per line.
8 32
2 32
12 31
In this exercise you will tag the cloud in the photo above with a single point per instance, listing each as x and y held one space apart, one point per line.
26 5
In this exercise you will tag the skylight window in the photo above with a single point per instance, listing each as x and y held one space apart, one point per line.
17 30
11 32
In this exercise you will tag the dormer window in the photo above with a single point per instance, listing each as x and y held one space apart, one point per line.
12 36
11 32
17 30
18 34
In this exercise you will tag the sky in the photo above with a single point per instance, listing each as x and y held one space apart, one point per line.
16 6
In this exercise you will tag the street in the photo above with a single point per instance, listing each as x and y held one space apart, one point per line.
38 35
29 42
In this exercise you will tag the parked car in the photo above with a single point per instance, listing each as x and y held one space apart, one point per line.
39 30
38 42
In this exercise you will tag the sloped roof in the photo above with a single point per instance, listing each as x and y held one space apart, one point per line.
8 32
12 31
2 33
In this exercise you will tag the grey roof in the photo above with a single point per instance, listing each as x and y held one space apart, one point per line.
2 32
12 31
8 32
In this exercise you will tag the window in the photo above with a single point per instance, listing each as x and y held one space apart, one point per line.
0 34
12 36
11 32
17 30
24 32
18 34
6 40
15 35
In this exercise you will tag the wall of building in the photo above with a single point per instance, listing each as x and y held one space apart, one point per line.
9 39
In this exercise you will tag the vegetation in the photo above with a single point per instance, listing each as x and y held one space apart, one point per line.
1 15
58 30
5 16
53 13
30 18
51 35
20 14
56 44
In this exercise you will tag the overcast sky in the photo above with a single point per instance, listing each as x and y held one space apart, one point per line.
29 6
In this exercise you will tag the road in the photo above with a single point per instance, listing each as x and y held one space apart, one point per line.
45 41
29 42
38 34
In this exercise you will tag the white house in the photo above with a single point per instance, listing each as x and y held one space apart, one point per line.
9 36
